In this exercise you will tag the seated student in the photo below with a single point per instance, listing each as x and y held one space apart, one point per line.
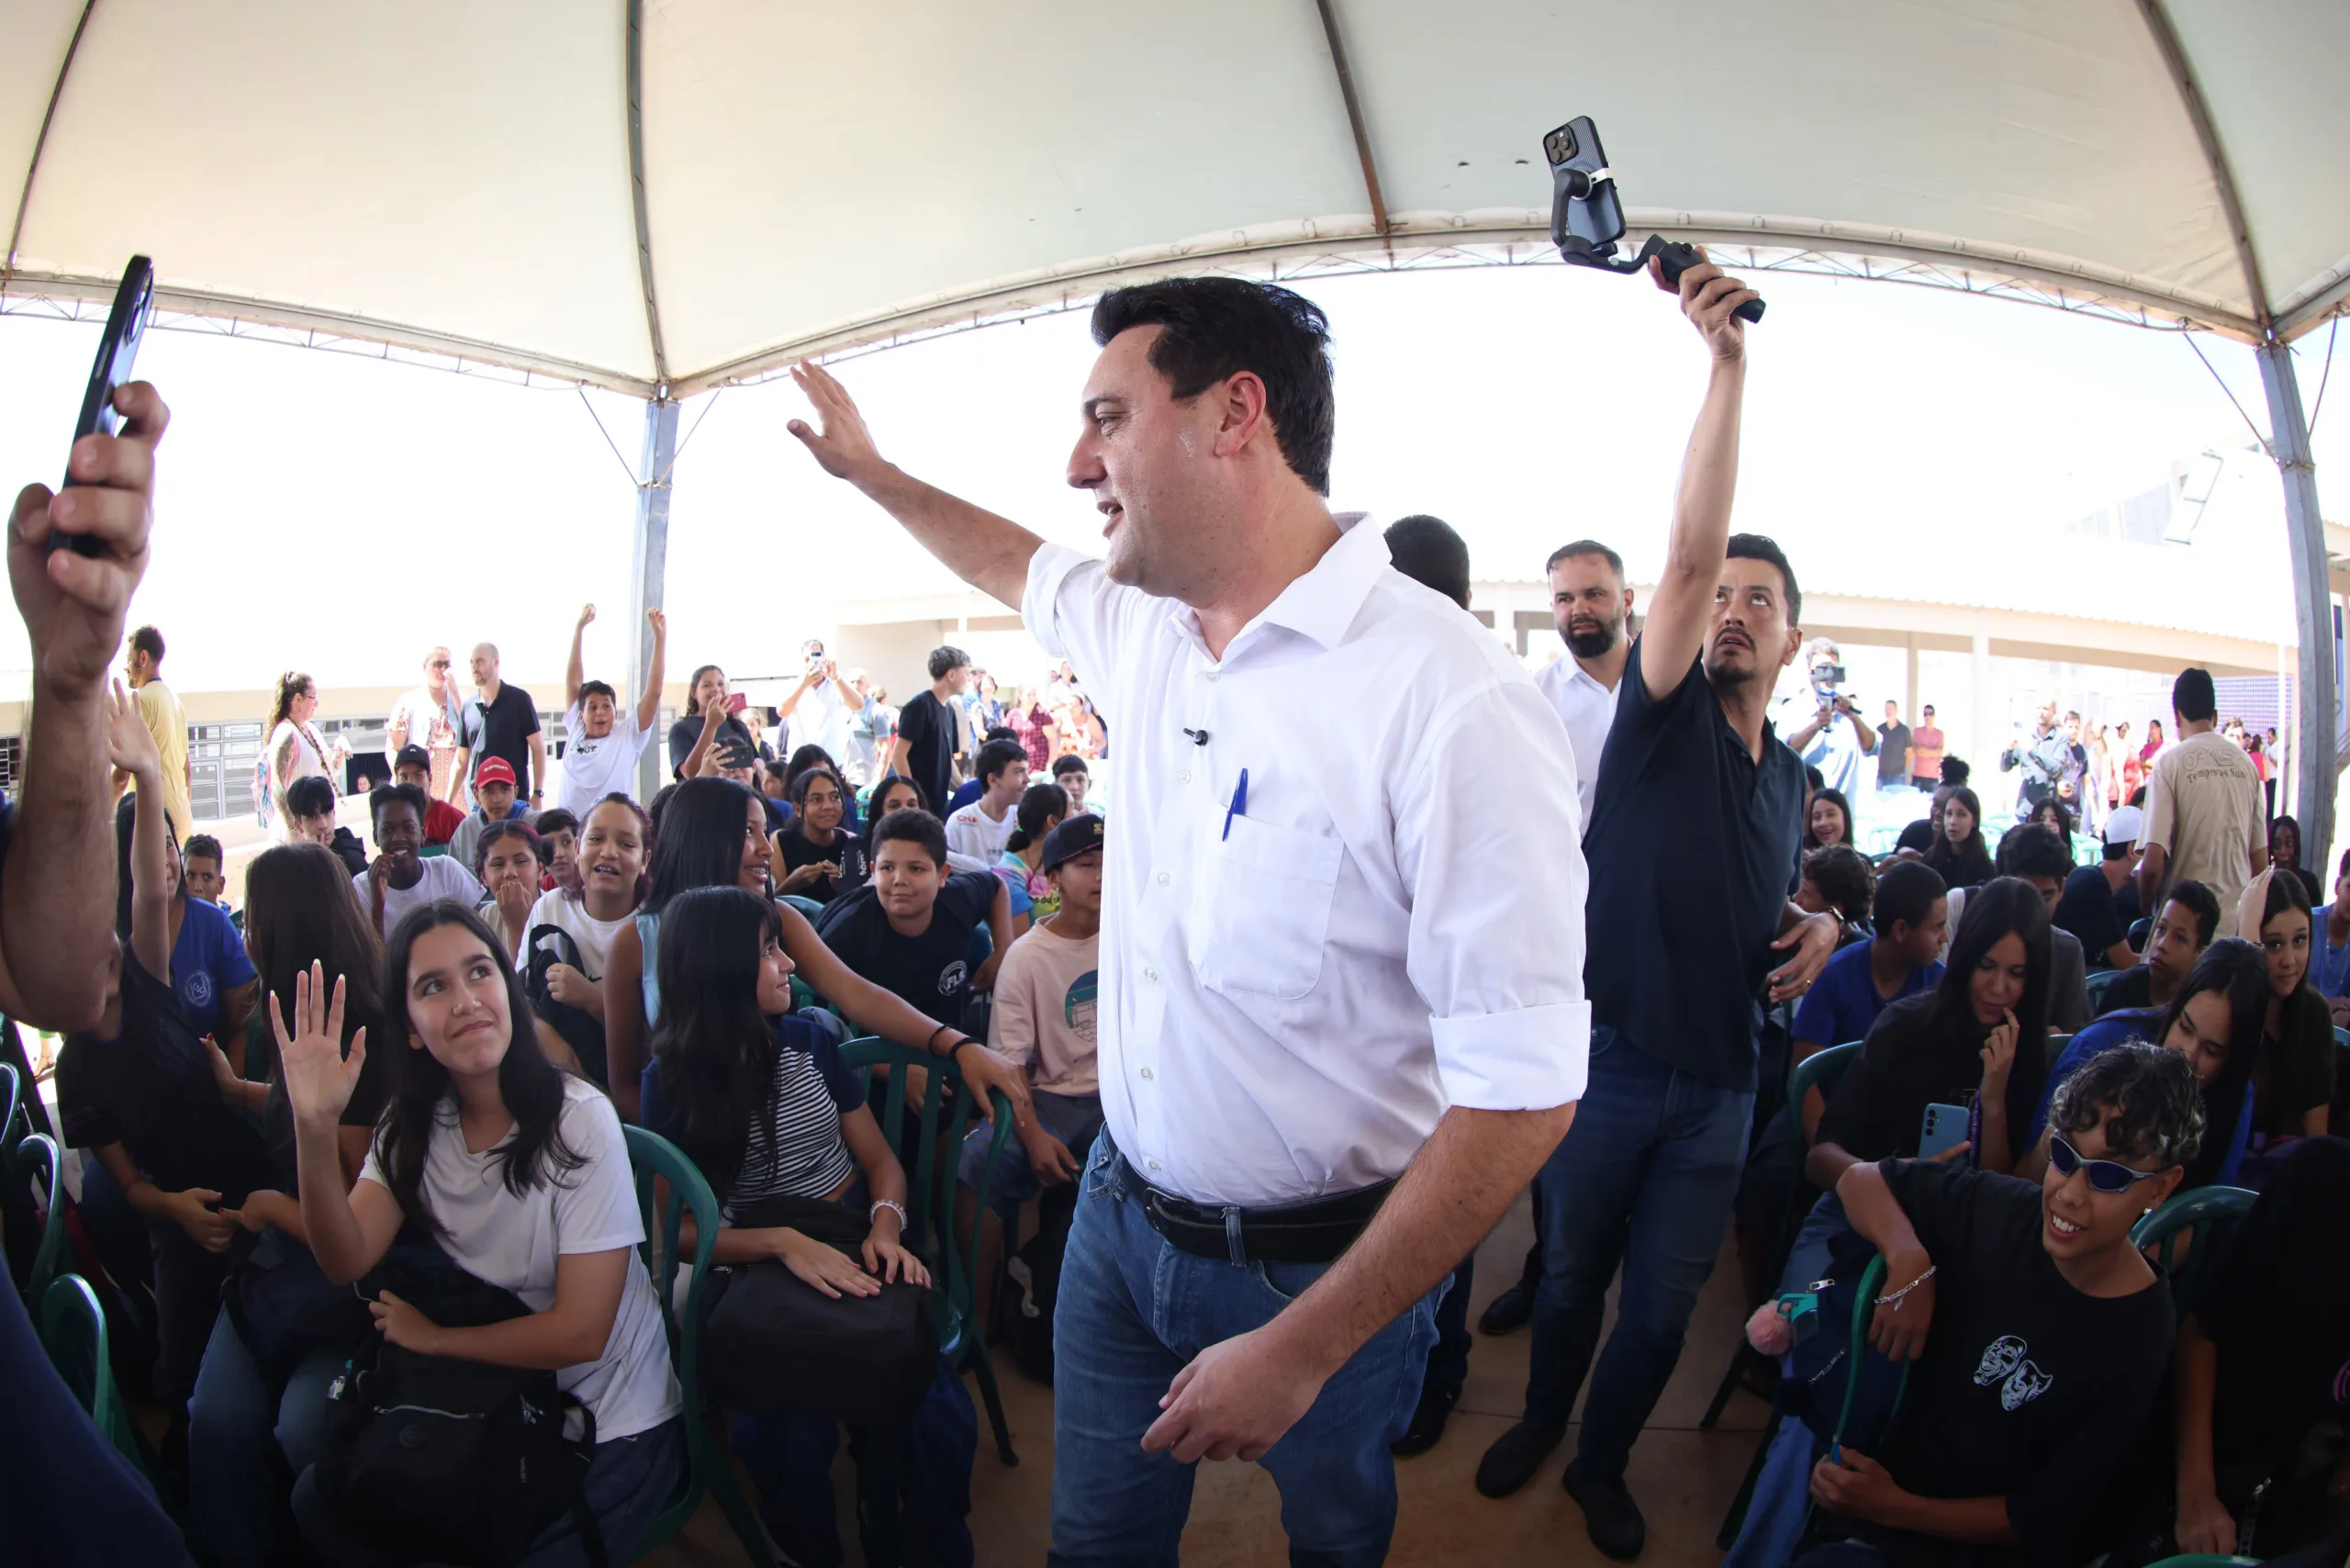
775 781
1979 1037
974 786
2329 945
1827 821
909 929
413 765
166 1117
259 1410
2293 1080
2040 1334
310 805
710 833
1958 852
2215 1021
2031 854
1069 772
612 857
1043 807
506 863
2261 1370
1921 834
2050 815
2087 908
894 793
605 741
202 864
1839 878
976 832
519 1170
494 802
400 879
2184 928
559 833
815 856
1902 958
1043 1023
762 1103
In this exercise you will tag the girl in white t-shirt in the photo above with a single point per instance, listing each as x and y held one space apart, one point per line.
521 1172
614 847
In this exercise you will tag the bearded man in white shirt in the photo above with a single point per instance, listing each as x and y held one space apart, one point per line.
1341 1019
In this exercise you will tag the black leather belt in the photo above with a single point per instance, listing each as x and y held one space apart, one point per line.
1312 1232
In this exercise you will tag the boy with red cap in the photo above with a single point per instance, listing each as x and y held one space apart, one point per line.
494 802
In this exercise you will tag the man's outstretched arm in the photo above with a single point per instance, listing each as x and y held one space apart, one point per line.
1683 606
987 552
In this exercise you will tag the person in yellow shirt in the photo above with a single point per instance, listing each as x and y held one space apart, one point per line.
167 721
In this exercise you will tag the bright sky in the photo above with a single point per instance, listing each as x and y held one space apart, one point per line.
337 513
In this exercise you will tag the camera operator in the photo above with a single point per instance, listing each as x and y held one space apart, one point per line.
820 708
1834 737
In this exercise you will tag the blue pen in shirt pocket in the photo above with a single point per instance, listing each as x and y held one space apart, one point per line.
1239 806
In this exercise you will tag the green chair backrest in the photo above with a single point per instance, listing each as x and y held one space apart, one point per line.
929 1188
2099 984
810 907
2209 1218
2206 1560
35 1160
1823 1071
655 1159
10 1088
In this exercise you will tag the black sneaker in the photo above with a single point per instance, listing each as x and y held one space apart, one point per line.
1428 1424
1512 1310
1511 1463
1609 1515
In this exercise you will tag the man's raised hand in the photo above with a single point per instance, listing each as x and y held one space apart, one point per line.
841 444
319 1079
1710 298
74 604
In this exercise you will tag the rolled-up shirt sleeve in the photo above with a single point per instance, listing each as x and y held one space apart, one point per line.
1496 942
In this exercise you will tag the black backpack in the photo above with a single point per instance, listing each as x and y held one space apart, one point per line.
581 1030
448 1460
1026 1307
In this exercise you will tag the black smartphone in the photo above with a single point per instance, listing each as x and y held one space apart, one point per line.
1583 202
117 354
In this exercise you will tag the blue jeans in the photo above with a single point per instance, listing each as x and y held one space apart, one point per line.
1645 1178
234 1478
1448 1369
1133 1312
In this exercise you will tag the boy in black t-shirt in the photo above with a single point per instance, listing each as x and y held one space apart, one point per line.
909 929
2040 1334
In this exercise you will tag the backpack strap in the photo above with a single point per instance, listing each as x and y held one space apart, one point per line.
583 1518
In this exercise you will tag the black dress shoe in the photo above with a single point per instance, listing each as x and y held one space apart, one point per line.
1515 1455
1512 1310
1609 1515
1428 1424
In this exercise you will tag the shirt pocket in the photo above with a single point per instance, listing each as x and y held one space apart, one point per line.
1260 919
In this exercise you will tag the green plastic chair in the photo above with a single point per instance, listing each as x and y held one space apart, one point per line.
34 1161
2206 1560
650 1156
2210 1216
73 1333
931 1203
2099 984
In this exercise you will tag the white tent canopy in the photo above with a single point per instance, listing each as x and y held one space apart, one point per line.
457 178
662 197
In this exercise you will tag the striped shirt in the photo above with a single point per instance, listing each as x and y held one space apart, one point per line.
796 1145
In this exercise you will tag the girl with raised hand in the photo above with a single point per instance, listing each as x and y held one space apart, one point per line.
713 834
520 1171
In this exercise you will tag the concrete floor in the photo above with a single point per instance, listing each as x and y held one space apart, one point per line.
1684 1478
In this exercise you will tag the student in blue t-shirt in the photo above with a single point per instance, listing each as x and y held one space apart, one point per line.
2217 1020
1912 921
214 978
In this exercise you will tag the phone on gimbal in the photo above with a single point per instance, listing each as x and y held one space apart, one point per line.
1587 217
134 300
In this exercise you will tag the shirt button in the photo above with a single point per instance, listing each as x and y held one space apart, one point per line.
1152 1163
1184 777
1147 1075
1148 973
1164 879
1214 673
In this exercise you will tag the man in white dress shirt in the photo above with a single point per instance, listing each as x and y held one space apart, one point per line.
1341 1015
1594 607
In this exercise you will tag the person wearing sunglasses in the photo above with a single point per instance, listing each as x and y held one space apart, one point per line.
2038 1332
2215 1021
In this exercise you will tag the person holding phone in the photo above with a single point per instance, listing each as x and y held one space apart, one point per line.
712 723
820 708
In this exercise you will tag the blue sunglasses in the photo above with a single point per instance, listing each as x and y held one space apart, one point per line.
2105 1175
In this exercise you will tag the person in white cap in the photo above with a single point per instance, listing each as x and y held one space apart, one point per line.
2088 910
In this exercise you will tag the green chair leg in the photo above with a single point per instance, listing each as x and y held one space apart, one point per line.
983 1364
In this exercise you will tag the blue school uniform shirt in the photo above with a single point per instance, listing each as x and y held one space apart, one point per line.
1843 1001
2119 1029
208 960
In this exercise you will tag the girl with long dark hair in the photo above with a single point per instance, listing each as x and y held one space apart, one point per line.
2285 855
1828 819
1959 852
895 793
2294 1077
615 845
506 863
1041 809
520 1171
815 856
300 914
712 834
2216 1022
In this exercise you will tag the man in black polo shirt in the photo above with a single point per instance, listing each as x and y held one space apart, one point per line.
502 720
1692 846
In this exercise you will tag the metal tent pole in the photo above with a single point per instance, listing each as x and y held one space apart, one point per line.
2289 444
649 577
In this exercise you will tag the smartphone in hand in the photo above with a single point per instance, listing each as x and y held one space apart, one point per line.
134 300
